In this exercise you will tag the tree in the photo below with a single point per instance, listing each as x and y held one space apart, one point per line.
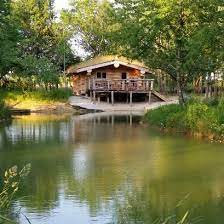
8 38
164 33
90 23
42 40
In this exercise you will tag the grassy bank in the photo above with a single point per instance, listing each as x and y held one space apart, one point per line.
34 99
199 118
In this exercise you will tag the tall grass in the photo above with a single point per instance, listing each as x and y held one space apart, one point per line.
10 185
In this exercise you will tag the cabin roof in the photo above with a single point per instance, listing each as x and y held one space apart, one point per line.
103 61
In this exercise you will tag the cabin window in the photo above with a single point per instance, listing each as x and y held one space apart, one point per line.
104 75
101 75
124 75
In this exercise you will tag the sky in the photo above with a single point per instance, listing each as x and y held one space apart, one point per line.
63 4
60 4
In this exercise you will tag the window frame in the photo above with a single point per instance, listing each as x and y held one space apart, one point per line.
101 75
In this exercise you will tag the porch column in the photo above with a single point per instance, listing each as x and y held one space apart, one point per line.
108 98
112 97
91 95
150 95
131 98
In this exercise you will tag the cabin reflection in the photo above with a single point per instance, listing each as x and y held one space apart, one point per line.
101 126
36 129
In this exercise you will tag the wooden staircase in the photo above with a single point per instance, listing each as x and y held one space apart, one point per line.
159 96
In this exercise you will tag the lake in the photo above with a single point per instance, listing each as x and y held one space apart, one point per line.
108 168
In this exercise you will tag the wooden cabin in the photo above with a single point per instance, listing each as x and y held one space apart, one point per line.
111 78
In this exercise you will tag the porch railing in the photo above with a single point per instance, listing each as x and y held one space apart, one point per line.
141 85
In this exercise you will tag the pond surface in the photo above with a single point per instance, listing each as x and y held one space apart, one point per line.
111 169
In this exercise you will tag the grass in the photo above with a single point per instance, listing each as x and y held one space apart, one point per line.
34 99
198 117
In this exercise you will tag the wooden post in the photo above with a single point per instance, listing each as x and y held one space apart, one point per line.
151 87
112 97
91 95
94 96
150 94
131 98
108 98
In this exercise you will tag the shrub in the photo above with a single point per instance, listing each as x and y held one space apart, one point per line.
200 118
220 111
196 117
162 116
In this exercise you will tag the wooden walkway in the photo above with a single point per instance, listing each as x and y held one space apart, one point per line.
86 103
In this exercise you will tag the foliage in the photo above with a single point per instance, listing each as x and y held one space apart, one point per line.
11 183
4 111
161 117
173 36
197 117
8 39
200 118
92 25
34 45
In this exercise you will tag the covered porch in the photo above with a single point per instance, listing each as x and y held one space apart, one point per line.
105 88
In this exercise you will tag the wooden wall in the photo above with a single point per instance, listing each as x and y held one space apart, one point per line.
80 81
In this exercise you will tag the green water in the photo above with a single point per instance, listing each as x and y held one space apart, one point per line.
110 169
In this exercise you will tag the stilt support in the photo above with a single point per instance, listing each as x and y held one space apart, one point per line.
131 98
112 97
150 95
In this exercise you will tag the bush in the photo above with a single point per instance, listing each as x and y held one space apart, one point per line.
200 118
162 116
220 111
195 117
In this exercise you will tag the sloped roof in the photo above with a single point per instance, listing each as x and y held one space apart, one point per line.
102 61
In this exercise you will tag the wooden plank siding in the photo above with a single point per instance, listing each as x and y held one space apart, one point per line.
81 80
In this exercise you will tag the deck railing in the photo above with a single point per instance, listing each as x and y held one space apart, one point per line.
140 85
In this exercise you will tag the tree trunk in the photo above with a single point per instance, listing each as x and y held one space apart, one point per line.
180 90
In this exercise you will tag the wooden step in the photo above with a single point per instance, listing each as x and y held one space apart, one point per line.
160 96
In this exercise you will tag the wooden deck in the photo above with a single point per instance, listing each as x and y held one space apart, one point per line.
121 85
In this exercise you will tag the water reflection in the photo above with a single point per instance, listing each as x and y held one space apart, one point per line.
83 166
